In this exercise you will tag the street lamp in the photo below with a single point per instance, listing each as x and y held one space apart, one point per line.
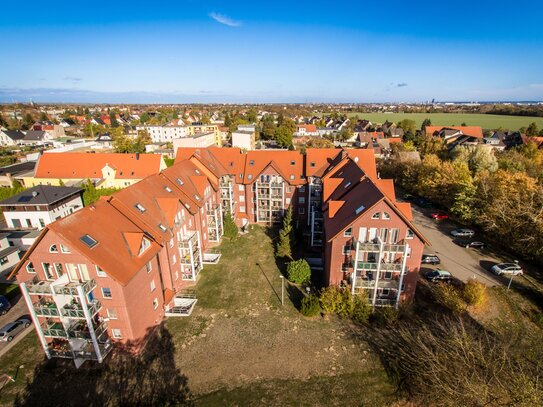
282 289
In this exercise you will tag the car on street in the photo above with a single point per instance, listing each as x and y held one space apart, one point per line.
507 268
11 330
439 216
473 244
5 305
430 259
436 276
463 233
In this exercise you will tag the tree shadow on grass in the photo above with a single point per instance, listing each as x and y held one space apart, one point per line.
126 377
295 294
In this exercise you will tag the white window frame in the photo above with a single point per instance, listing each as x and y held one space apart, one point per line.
110 293
116 333
100 272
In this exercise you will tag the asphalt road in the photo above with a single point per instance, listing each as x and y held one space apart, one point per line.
462 263
17 310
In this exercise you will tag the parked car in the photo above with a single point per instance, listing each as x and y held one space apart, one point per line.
11 330
430 259
423 202
507 268
408 197
438 275
5 305
463 233
439 216
473 244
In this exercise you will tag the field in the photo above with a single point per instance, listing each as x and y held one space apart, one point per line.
486 121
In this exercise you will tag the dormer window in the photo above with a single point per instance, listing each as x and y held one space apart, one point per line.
386 216
145 244
359 209
30 268
376 215
53 248
250 176
140 207
162 227
292 177
89 241
168 189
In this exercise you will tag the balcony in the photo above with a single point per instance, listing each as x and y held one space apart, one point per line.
75 311
55 330
385 302
364 283
375 247
80 330
46 309
37 287
191 239
71 288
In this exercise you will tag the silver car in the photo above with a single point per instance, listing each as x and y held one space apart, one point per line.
463 233
507 268
11 330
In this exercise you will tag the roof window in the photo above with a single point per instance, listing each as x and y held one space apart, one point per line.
252 162
140 207
180 181
162 227
359 209
348 184
312 164
89 241
293 162
167 188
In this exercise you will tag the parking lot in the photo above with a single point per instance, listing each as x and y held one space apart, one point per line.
17 310
462 263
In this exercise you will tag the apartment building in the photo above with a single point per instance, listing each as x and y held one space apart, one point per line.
107 170
164 134
197 127
41 205
113 270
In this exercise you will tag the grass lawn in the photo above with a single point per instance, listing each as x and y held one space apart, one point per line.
486 121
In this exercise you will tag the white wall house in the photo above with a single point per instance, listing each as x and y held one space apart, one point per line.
9 255
163 134
41 205
200 140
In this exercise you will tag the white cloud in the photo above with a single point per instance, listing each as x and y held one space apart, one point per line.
223 19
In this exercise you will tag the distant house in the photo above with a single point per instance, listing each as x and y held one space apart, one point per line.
362 125
41 205
244 138
68 122
98 121
457 135
306 130
104 140
9 255
53 130
16 172
537 140
11 137
35 138
106 170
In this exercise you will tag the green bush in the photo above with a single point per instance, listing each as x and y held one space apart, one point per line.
474 293
230 227
310 306
450 297
361 309
330 299
346 306
299 271
385 315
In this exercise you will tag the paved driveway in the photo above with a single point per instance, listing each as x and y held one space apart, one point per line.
17 310
462 263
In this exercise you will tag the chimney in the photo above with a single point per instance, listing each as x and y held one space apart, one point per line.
137 156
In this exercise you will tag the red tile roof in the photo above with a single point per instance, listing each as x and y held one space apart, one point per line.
473 131
289 164
85 165
309 128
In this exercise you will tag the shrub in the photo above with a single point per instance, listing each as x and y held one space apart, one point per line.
230 227
474 293
449 297
361 309
386 315
330 299
346 306
299 271
310 306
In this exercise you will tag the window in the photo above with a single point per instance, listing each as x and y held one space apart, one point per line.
301 211
386 216
64 249
348 232
376 215
287 201
106 292
3 261
347 185
155 303
409 234
302 188
394 235
288 190
53 249
241 187
293 162
408 254
168 189
48 271
30 268
292 176
59 269
42 223
347 249
301 200
179 181
116 333
145 244
242 209
149 267
252 162
111 313
359 209
171 242
250 176
100 272
89 241
152 285
197 197
174 259
140 207
312 164
162 227
241 198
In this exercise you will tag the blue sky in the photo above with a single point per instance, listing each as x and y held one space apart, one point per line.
271 51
